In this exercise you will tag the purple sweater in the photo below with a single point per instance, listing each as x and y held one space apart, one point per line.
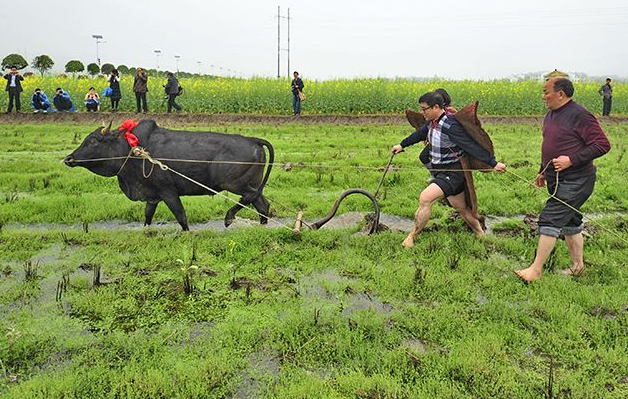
573 131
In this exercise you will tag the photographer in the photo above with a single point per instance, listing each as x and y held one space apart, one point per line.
40 101
92 100
140 88
114 84
62 101
297 92
14 87
172 91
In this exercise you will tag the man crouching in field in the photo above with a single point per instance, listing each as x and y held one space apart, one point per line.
572 139
448 141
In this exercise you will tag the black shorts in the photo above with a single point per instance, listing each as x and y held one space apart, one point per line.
451 182
557 218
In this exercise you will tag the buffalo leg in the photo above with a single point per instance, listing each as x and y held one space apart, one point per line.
149 212
176 207
263 207
230 216
249 196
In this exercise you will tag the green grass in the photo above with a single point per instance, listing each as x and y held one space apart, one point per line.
327 314
35 187
322 315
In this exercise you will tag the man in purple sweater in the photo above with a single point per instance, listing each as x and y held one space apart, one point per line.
572 139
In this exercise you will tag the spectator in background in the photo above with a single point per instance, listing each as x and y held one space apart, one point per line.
62 101
172 91
92 100
140 88
40 102
14 87
114 84
297 88
606 91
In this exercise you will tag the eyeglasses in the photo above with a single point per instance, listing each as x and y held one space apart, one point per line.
423 109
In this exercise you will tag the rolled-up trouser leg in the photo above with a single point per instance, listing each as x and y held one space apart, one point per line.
557 218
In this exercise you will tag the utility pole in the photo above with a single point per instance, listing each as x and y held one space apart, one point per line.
278 40
279 17
98 40
157 52
177 57
288 42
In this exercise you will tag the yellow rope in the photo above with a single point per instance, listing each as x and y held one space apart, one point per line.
281 165
571 207
143 154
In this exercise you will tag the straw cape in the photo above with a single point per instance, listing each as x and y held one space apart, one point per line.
468 118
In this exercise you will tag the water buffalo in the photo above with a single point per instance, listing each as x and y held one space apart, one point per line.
246 178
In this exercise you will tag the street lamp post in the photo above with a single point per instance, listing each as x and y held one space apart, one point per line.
199 67
176 57
98 40
157 52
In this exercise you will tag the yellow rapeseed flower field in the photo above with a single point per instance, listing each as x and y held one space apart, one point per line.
340 96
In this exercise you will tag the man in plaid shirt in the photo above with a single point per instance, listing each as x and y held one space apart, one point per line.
448 141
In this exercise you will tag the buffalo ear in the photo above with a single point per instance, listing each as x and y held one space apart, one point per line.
106 129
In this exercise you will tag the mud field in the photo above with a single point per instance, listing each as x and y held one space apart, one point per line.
212 119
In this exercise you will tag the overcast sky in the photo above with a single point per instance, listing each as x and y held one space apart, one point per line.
475 39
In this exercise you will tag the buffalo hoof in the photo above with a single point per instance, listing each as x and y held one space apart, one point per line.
263 219
229 221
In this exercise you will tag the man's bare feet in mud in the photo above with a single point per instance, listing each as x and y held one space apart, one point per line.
529 274
408 242
479 233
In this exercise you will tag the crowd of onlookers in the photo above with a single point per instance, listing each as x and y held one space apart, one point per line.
62 101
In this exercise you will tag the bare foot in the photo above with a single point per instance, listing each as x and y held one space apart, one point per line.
573 271
528 274
480 233
408 242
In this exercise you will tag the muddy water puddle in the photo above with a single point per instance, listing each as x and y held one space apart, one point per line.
345 221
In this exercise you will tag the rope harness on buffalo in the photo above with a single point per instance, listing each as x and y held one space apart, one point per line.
145 156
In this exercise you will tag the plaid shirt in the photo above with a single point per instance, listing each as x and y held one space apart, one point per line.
442 149
448 140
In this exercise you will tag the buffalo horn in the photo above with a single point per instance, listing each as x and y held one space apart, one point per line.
106 129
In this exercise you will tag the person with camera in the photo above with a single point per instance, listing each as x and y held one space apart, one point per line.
297 93
14 87
62 101
114 84
92 100
140 87
606 91
172 91
40 102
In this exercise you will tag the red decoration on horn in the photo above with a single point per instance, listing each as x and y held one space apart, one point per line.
127 126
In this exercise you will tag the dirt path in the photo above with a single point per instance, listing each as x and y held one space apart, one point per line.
217 119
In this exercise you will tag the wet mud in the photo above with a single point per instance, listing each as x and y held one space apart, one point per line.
201 119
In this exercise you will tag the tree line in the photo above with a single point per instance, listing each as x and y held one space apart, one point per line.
43 63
